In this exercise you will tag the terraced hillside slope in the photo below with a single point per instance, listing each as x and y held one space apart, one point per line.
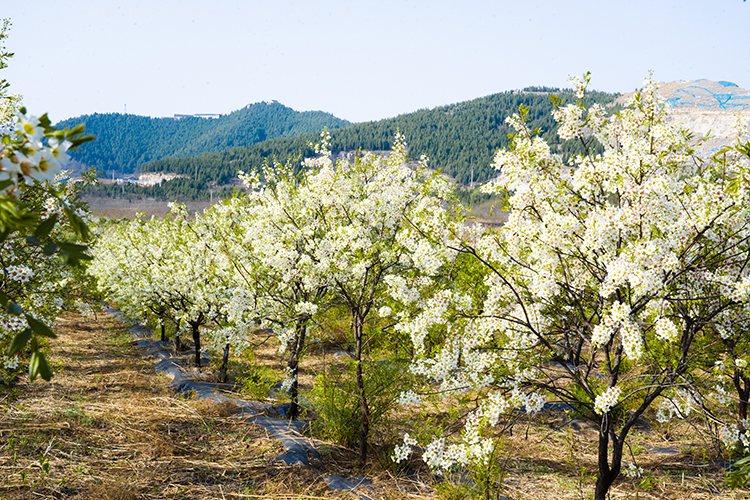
706 106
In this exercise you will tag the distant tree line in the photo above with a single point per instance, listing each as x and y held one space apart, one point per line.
175 189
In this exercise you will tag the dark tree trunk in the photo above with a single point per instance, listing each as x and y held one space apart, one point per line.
163 332
606 474
224 362
364 426
177 340
742 385
197 341
293 366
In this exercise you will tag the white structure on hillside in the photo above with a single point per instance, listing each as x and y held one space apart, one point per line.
198 115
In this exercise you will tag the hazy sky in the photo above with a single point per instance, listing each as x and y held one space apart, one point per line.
360 60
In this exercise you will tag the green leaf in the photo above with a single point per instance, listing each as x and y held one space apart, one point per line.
14 309
78 129
80 227
73 258
19 342
49 248
33 240
3 299
34 365
77 141
722 151
6 183
71 247
44 369
45 227
40 327
65 258
44 121
72 253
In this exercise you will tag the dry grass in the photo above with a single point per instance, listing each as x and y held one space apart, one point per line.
552 457
545 457
488 213
108 427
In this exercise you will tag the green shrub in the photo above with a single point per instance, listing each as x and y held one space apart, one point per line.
256 380
334 398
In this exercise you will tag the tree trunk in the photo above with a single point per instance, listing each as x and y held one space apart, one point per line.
742 385
197 341
606 474
364 426
224 362
742 405
177 340
293 366
163 332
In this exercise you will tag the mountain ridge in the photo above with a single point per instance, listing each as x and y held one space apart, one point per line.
460 139
125 142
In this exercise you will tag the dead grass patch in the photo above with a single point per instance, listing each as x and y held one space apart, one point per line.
108 427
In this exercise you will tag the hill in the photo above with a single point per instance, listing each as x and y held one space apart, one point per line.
458 138
125 142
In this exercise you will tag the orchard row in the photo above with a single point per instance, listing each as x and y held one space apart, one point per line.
618 285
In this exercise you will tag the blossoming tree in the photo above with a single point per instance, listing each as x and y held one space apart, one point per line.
601 284
336 232
369 214
165 266
263 236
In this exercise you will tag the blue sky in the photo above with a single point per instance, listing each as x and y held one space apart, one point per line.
360 60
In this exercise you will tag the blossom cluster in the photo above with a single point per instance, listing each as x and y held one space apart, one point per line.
31 153
735 436
679 404
607 400
401 452
19 273
633 470
409 398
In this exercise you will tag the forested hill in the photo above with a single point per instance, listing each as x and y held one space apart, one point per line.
455 137
125 142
